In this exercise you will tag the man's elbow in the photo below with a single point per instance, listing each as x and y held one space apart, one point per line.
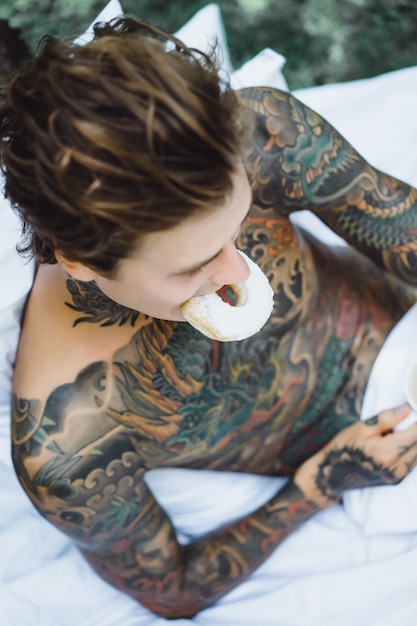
171 610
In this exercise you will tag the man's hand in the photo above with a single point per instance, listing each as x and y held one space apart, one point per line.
366 454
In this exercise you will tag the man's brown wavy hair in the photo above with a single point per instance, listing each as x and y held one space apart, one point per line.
106 142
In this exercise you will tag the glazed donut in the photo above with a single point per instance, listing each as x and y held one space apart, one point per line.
219 320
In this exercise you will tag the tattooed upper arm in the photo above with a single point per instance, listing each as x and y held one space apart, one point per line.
297 160
97 496
88 486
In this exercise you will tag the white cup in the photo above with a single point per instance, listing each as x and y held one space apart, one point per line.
410 387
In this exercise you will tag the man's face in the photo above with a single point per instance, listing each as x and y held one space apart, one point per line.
196 257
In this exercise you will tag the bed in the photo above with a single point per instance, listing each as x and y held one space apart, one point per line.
355 563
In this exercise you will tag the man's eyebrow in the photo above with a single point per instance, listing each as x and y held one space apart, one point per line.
199 265
196 267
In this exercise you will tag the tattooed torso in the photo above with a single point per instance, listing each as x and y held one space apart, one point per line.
171 397
103 394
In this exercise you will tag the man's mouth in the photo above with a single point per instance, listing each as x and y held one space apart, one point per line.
227 294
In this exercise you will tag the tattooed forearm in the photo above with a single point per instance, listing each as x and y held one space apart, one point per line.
231 555
177 581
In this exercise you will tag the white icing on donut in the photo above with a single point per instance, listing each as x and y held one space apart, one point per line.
219 320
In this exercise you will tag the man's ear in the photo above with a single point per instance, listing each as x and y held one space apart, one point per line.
76 269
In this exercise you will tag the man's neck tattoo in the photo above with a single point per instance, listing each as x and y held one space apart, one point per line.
96 307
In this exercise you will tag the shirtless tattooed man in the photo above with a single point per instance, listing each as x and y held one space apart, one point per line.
138 175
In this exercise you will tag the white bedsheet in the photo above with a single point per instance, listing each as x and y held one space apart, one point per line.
328 573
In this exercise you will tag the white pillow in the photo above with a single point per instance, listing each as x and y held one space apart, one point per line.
263 70
206 27
111 10
203 30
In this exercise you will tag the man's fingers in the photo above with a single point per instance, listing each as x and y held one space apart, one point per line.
371 421
387 420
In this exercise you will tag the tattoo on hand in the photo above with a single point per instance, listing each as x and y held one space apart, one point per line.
405 450
371 421
350 468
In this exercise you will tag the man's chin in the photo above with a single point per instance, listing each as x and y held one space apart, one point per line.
175 315
178 316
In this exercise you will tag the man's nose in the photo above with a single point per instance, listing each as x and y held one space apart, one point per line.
232 267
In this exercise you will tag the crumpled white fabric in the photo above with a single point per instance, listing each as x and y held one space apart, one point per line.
16 277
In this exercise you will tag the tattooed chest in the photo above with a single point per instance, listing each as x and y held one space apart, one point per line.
242 406
174 398
201 406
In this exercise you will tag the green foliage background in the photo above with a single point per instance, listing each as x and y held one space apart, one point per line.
323 40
